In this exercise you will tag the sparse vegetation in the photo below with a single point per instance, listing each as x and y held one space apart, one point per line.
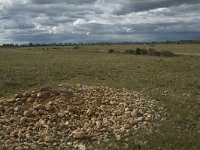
173 81
150 52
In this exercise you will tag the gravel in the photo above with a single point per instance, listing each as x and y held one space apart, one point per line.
73 117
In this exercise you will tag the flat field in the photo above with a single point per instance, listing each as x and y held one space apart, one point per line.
173 81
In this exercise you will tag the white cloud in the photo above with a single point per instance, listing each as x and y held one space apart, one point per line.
79 22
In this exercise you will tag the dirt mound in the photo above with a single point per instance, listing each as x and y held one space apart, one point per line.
73 116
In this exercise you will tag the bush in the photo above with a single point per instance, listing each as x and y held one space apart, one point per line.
140 51
153 52
150 52
76 47
110 51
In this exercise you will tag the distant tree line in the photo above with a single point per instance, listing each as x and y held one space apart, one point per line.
98 43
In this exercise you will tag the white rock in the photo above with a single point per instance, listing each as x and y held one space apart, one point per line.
60 115
33 146
69 143
82 147
16 108
127 109
125 146
118 137
139 119
112 102
98 124
67 123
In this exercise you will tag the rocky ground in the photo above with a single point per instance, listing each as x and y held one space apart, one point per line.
67 117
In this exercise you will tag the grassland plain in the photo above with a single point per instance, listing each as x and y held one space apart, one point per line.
173 81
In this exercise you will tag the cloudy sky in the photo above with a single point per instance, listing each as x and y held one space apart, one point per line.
98 20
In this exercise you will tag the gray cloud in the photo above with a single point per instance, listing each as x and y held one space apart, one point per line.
89 20
62 1
143 5
16 23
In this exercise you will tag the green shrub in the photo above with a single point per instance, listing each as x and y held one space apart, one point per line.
153 52
150 52
140 51
110 51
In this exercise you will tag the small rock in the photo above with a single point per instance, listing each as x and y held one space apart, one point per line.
41 122
49 106
62 146
140 119
20 134
23 120
19 95
26 94
90 112
67 123
61 115
127 109
98 123
112 102
30 100
105 120
125 146
132 121
38 107
35 113
27 113
69 143
29 138
34 95
118 137
16 108
14 133
149 116
60 85
81 147
62 126
134 113
25 147
18 99
33 146
113 145
71 108
42 112
46 94
39 95
78 134
48 139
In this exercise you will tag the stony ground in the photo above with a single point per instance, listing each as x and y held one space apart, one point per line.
78 116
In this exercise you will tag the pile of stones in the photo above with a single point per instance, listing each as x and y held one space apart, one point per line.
78 117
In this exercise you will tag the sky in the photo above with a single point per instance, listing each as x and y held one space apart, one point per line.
45 21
